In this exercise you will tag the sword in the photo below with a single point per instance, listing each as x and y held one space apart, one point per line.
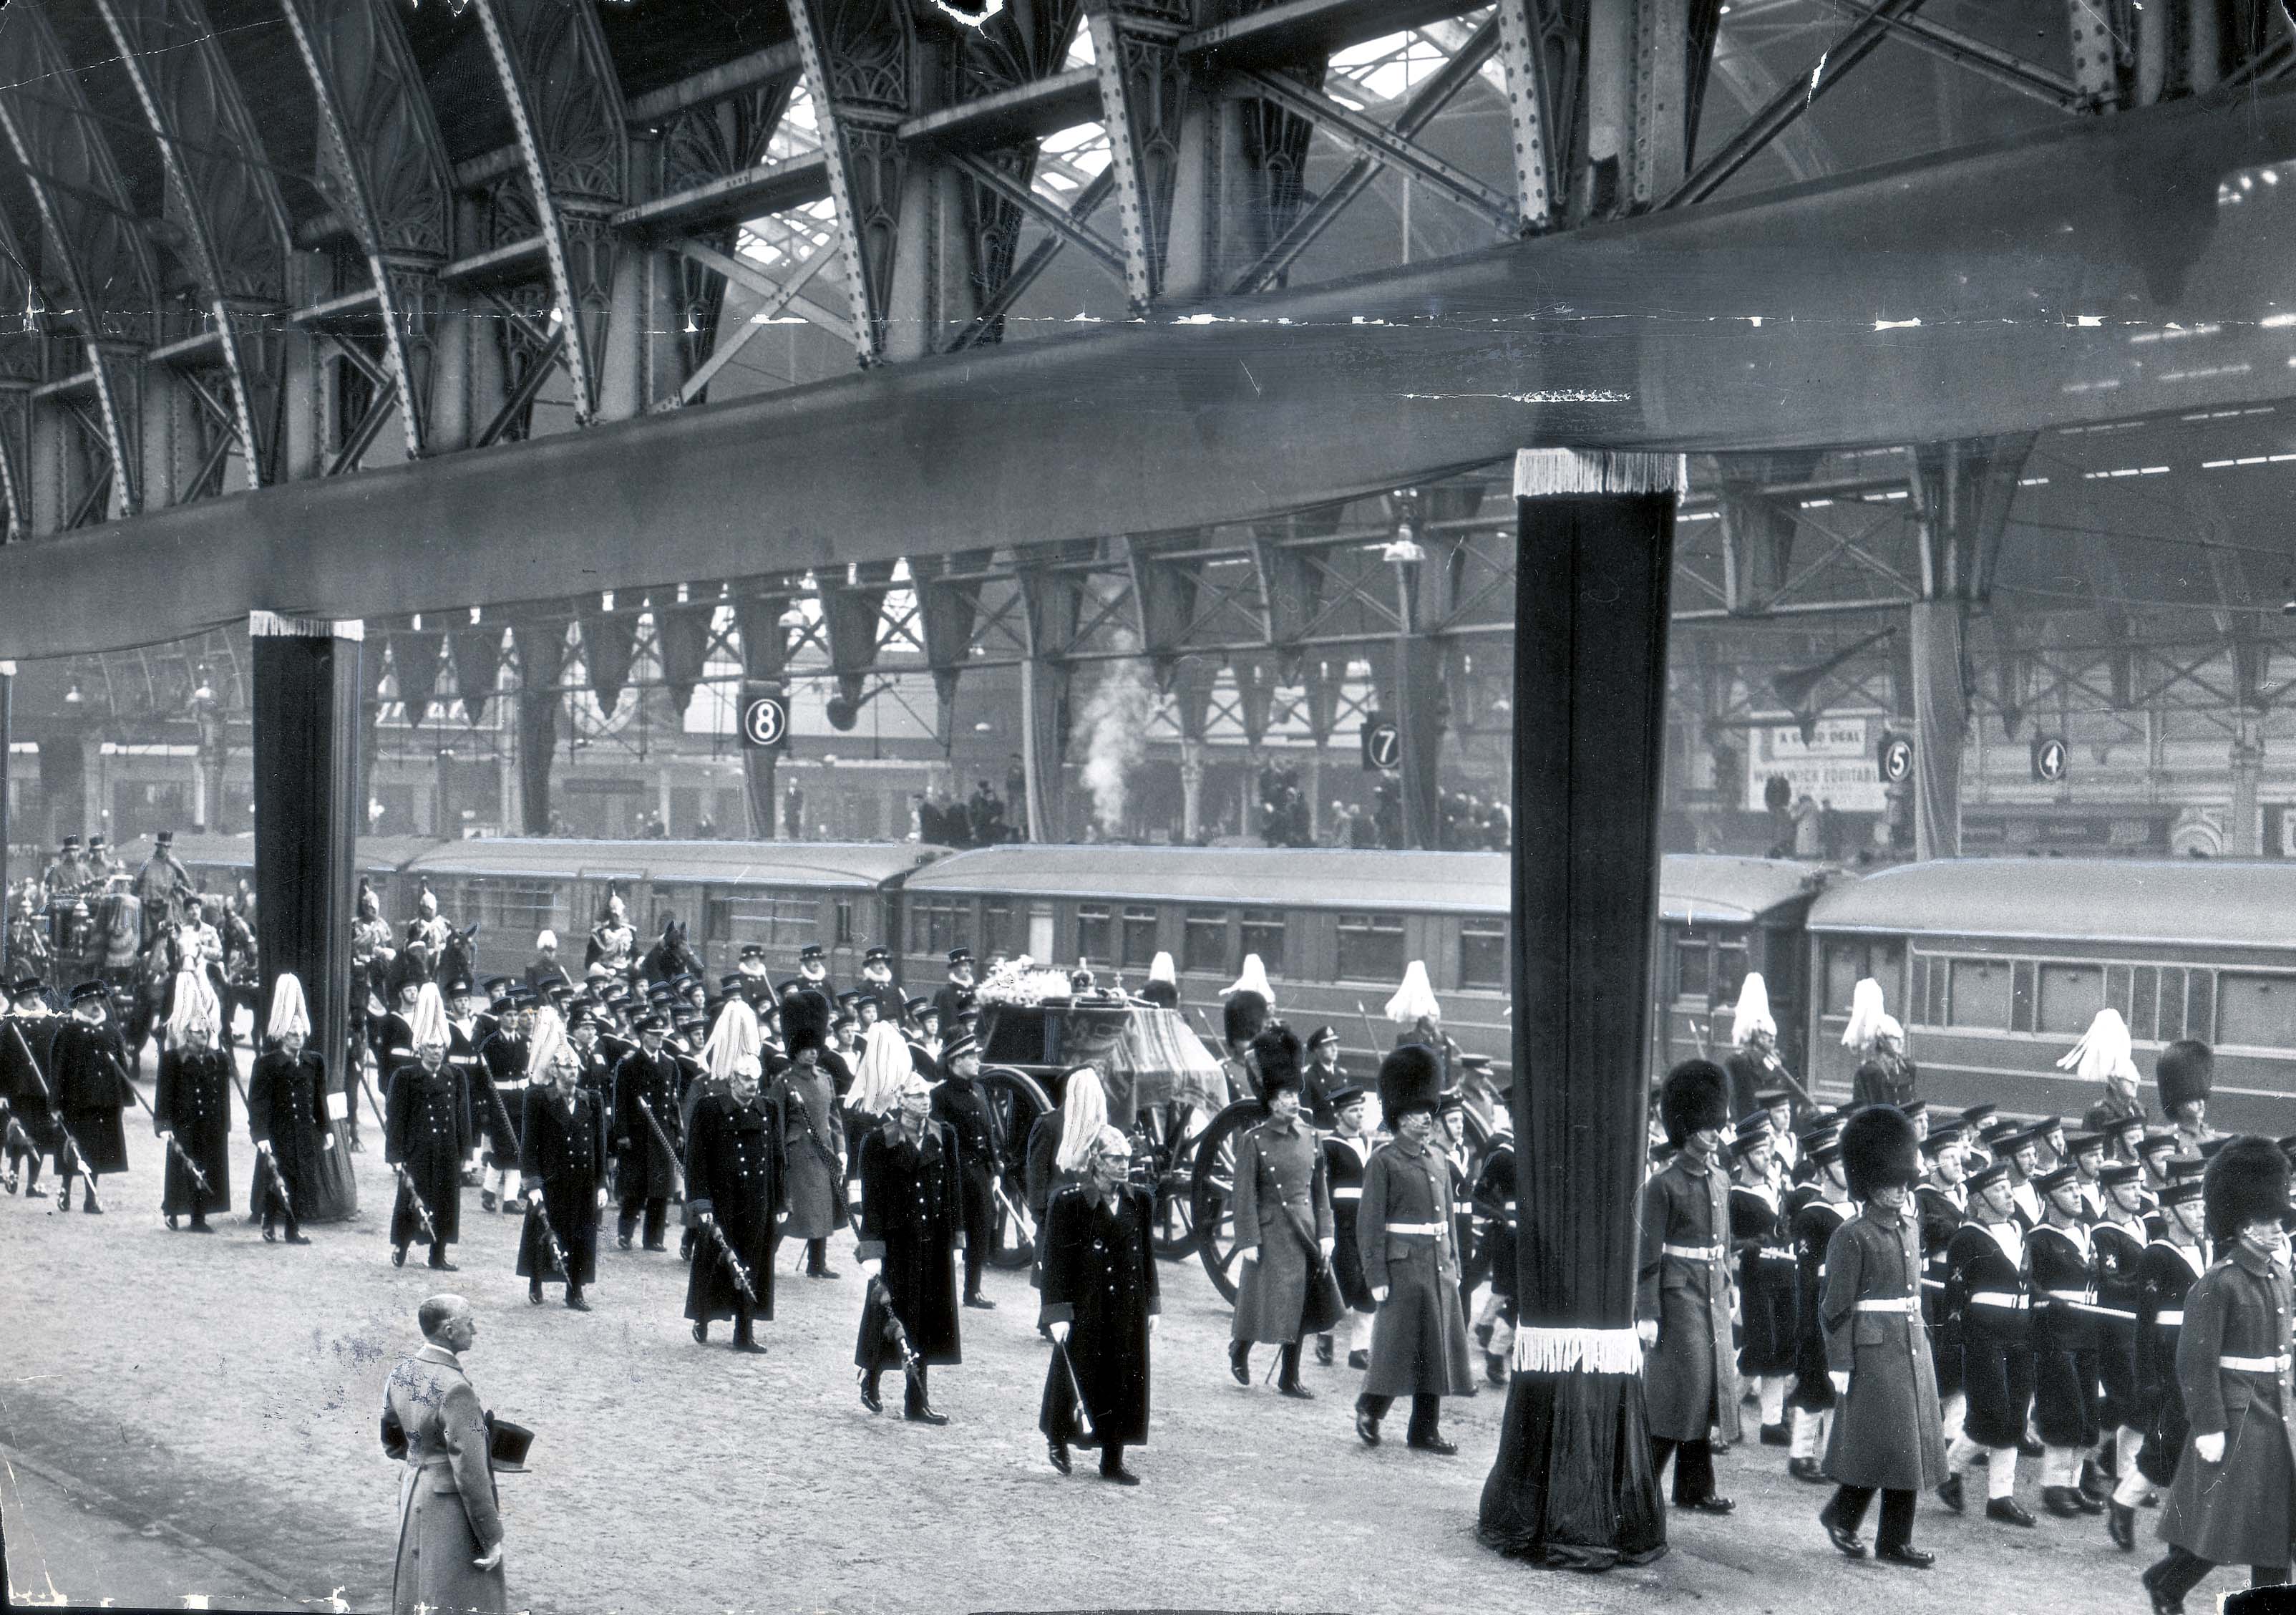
63 1188
175 1146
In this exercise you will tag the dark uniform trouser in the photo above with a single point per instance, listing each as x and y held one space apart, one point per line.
913 1396
1693 1467
977 1192
656 1210
2182 1571
1426 1409
1849 1512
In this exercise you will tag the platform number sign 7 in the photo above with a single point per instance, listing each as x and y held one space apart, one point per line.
1382 745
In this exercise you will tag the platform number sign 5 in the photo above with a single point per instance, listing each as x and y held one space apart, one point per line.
765 721
2050 758
1382 745
1896 759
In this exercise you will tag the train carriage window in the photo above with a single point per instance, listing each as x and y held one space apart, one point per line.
1980 993
1139 937
1845 967
2023 992
1203 941
1919 998
716 920
1940 991
997 932
775 919
2116 988
1483 954
2200 1005
1094 931
844 922
2145 1003
2257 1012
937 924
2071 996
1263 934
2172 1005
1694 967
1729 970
1371 948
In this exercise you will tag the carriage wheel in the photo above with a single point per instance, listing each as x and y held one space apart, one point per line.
1212 1190
1170 1151
1015 1101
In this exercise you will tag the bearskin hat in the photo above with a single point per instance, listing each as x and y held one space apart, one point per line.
1410 1079
1878 1150
2246 1182
2186 1072
1275 1051
1245 1014
1696 1096
805 1023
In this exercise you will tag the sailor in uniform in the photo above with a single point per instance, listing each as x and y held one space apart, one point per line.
1761 1237
1986 1298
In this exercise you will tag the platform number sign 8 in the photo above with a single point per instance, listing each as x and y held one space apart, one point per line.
765 721
1897 761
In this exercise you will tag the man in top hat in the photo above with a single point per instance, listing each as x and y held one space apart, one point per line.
190 1106
163 885
814 1139
877 983
2065 1362
287 1113
1886 1074
27 1114
1886 1425
1821 1212
912 1226
2186 1073
1100 1308
955 996
813 969
2173 1258
2231 1501
647 1145
1282 1213
562 1167
87 1070
1986 1296
1940 1202
1682 1298
1419 1341
1763 1241
450 1531
67 871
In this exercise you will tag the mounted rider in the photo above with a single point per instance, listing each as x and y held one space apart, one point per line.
612 940
162 886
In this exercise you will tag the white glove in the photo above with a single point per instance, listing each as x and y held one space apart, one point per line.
1061 1331
167 1134
1646 1332
602 1199
2210 1448
489 1560
263 1145
1840 1378
1379 1295
1154 1318
329 1142
1325 1246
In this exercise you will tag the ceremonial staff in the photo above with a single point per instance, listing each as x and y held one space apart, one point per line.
263 1155
1084 1414
733 1263
174 1148
883 1296
676 1173
63 1188
535 1207
414 1197
1369 1034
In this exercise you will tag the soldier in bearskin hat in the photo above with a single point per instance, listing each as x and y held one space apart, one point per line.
1403 1229
1683 1299
1282 1213
2235 1482
1887 1435
2185 1072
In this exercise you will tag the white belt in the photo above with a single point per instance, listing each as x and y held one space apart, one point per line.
1430 1229
1463 1208
1694 1253
2176 1317
1932 1283
1896 1303
1777 1253
2078 1298
2254 1364
1347 1194
1999 1297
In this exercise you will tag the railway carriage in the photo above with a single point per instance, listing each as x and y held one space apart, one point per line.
1997 966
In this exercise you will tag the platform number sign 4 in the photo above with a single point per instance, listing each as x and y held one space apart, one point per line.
765 721
1382 745
1896 759
2050 758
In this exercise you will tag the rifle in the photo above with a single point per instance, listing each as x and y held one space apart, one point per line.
676 1172
1771 1062
173 1147
733 1263
63 1184
406 1182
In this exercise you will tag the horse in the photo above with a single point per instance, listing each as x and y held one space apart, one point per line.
670 957
458 960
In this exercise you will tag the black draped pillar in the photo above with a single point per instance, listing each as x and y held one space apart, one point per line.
308 809
1573 1486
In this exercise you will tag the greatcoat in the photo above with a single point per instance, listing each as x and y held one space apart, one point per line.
1689 1377
1886 1429
1283 1211
448 1511
2233 1365
1403 1234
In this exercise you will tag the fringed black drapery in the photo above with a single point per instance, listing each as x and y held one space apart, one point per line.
1573 1486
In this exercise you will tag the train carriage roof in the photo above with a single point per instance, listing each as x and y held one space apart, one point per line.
1722 889
824 864
2182 902
377 855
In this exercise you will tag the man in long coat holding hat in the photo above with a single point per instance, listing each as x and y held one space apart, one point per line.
1886 1433
1690 1373
2234 1499
1283 1216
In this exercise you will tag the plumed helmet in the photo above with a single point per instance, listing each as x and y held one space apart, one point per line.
1696 1096
805 1021
1277 1052
2247 1181
2186 1072
1410 1079
1245 1014
1879 1149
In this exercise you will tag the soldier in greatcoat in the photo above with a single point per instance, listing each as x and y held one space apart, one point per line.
1763 1241
28 1118
450 1531
561 1164
645 1134
1690 1380
191 1105
962 1105
1985 1300
426 1138
912 1228
1347 1152
2173 1258
1283 1216
1887 1436
287 1114
733 1189
1411 1261
1100 1307
816 1141
2234 1499
87 1069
